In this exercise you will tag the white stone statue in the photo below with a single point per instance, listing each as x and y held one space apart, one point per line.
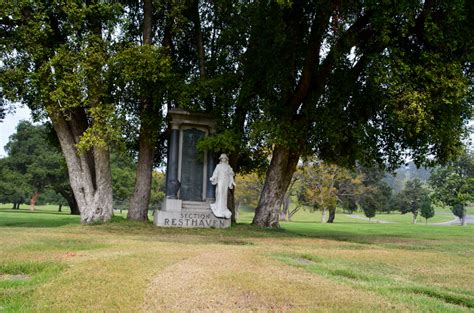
223 177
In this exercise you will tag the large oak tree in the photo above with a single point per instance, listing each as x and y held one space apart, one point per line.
54 59
373 82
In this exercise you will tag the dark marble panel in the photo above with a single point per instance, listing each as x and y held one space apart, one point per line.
192 166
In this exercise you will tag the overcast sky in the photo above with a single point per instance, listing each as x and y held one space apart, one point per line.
8 125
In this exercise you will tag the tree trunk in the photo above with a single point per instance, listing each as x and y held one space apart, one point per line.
140 200
89 173
147 21
68 195
60 208
463 218
277 180
138 209
34 198
231 205
199 39
285 210
332 215
323 216
414 217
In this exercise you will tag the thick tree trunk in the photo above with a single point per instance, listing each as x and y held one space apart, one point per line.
138 209
332 215
34 198
414 217
89 174
463 218
277 181
60 208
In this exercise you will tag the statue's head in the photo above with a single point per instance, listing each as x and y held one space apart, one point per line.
224 158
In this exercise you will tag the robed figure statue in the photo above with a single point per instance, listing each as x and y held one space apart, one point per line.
223 177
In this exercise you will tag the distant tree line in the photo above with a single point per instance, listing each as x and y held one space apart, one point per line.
318 185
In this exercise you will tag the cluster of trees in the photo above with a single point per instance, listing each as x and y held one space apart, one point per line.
347 81
34 165
318 185
35 170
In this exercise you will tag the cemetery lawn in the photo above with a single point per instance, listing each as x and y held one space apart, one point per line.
50 263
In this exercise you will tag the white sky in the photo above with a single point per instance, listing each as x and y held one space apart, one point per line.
9 123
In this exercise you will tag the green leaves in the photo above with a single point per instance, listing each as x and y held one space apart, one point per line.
32 164
141 71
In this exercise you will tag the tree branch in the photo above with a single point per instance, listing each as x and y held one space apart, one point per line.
347 40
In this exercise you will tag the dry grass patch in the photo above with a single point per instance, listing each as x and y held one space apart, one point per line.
245 279
107 280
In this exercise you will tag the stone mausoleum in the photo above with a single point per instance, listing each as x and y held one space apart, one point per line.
189 192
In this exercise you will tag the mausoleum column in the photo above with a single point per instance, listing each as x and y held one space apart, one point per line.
211 165
172 183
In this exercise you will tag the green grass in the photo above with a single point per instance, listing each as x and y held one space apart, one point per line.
307 216
408 218
18 280
43 216
51 263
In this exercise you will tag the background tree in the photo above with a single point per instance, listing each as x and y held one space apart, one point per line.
453 184
369 207
13 187
413 197
427 210
35 164
318 186
374 192
158 189
123 178
248 187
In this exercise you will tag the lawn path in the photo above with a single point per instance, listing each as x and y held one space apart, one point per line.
234 278
456 221
370 220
